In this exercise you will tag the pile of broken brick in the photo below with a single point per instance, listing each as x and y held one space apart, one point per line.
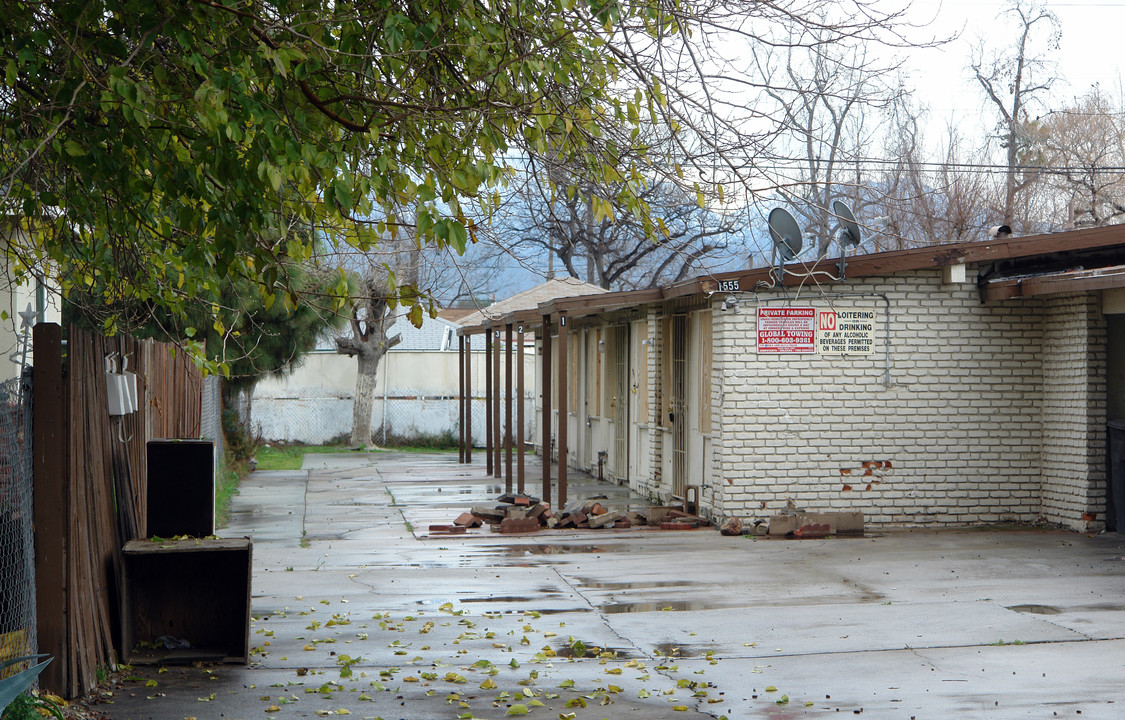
520 513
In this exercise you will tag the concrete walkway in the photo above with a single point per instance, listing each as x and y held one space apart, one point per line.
357 611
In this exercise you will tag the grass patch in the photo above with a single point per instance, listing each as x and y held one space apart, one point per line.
227 476
290 457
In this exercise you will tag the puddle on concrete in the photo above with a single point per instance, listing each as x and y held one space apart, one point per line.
593 651
521 550
506 598
1036 609
866 594
673 650
662 606
586 583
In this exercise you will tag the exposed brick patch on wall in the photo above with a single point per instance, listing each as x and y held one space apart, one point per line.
1073 470
960 421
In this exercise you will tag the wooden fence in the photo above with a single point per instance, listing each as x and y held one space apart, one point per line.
90 484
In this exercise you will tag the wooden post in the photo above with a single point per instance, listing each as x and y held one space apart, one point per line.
461 399
563 409
468 368
497 471
52 507
519 409
508 407
545 426
488 439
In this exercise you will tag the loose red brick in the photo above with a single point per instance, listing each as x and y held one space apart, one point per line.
440 528
468 520
521 500
510 526
674 525
812 530
623 524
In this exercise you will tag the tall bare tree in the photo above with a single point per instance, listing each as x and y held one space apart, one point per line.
830 99
1016 79
1085 150
929 197
608 246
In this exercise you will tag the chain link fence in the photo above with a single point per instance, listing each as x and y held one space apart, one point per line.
17 556
212 413
395 420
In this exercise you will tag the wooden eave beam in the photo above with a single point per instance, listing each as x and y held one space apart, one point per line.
583 305
1054 284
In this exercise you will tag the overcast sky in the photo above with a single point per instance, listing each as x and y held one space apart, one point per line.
1089 51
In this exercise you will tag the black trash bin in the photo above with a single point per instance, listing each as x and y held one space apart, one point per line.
1115 474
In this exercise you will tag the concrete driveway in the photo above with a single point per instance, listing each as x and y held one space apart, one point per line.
358 612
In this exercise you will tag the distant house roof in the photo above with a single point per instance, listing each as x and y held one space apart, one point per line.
530 299
455 315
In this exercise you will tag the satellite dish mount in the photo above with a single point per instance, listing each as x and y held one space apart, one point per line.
786 236
848 234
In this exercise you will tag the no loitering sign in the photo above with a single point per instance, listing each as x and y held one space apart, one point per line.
845 332
808 330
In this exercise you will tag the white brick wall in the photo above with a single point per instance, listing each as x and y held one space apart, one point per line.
955 437
1074 412
654 485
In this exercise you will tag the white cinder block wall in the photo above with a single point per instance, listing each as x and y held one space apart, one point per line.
962 433
1074 397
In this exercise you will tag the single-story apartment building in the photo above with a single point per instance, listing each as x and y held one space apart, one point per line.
936 386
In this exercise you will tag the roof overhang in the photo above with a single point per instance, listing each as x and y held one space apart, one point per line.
1072 261
1053 283
1048 247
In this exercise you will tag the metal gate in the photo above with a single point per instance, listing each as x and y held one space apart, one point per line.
679 404
619 347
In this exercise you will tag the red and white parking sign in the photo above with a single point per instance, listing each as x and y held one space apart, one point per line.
786 330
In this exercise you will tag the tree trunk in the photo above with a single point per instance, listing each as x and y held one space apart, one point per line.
368 365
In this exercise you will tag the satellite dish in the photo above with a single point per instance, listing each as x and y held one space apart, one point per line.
848 234
786 235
